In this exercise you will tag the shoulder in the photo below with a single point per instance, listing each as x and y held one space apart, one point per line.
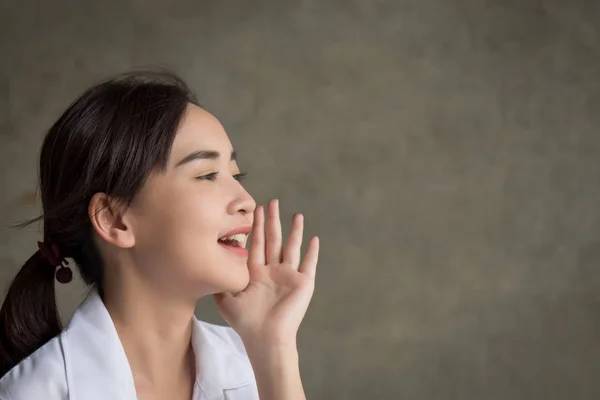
40 375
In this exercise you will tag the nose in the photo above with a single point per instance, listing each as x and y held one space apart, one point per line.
243 202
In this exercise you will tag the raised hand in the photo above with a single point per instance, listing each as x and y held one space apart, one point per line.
269 311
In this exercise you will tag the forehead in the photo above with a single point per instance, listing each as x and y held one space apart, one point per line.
199 130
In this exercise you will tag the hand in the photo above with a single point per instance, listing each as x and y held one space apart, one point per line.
268 312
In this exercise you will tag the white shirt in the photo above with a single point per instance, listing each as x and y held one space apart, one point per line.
87 362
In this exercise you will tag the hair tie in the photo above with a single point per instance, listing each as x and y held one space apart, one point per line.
52 254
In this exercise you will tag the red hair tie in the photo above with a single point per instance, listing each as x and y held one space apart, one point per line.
52 254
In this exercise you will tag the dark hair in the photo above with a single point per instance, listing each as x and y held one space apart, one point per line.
108 141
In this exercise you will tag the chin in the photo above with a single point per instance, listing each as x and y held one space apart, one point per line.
232 280
236 282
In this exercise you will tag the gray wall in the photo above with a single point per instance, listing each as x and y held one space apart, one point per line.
445 151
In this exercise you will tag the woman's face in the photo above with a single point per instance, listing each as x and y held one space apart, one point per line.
181 216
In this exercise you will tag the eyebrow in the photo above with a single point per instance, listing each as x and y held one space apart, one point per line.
204 155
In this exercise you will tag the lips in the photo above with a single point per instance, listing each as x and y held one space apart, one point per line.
235 238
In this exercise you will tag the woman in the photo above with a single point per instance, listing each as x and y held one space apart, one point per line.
140 187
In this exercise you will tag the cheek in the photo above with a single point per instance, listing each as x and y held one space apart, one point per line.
178 243
183 233
178 210
187 224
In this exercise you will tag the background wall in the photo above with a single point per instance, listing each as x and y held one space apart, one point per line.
446 151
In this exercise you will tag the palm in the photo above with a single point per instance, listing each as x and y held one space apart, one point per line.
275 301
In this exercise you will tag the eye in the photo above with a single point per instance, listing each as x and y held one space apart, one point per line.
240 177
208 177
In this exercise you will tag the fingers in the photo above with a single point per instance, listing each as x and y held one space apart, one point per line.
309 264
266 245
257 244
291 253
273 234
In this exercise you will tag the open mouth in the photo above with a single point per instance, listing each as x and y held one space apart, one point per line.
238 240
234 241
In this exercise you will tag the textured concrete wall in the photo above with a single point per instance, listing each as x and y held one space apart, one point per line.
446 151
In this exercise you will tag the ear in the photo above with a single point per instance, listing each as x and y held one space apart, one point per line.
108 219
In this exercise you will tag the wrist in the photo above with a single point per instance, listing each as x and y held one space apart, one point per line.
267 341
272 353
277 371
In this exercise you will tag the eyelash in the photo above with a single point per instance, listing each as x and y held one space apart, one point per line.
212 176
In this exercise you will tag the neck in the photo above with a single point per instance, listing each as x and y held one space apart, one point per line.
155 332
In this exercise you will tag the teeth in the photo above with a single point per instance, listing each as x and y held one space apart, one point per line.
239 237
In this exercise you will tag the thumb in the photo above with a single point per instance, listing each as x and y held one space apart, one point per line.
224 303
222 299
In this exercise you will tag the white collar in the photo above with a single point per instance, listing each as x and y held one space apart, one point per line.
97 367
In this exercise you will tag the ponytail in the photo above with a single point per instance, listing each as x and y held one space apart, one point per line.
29 316
109 140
